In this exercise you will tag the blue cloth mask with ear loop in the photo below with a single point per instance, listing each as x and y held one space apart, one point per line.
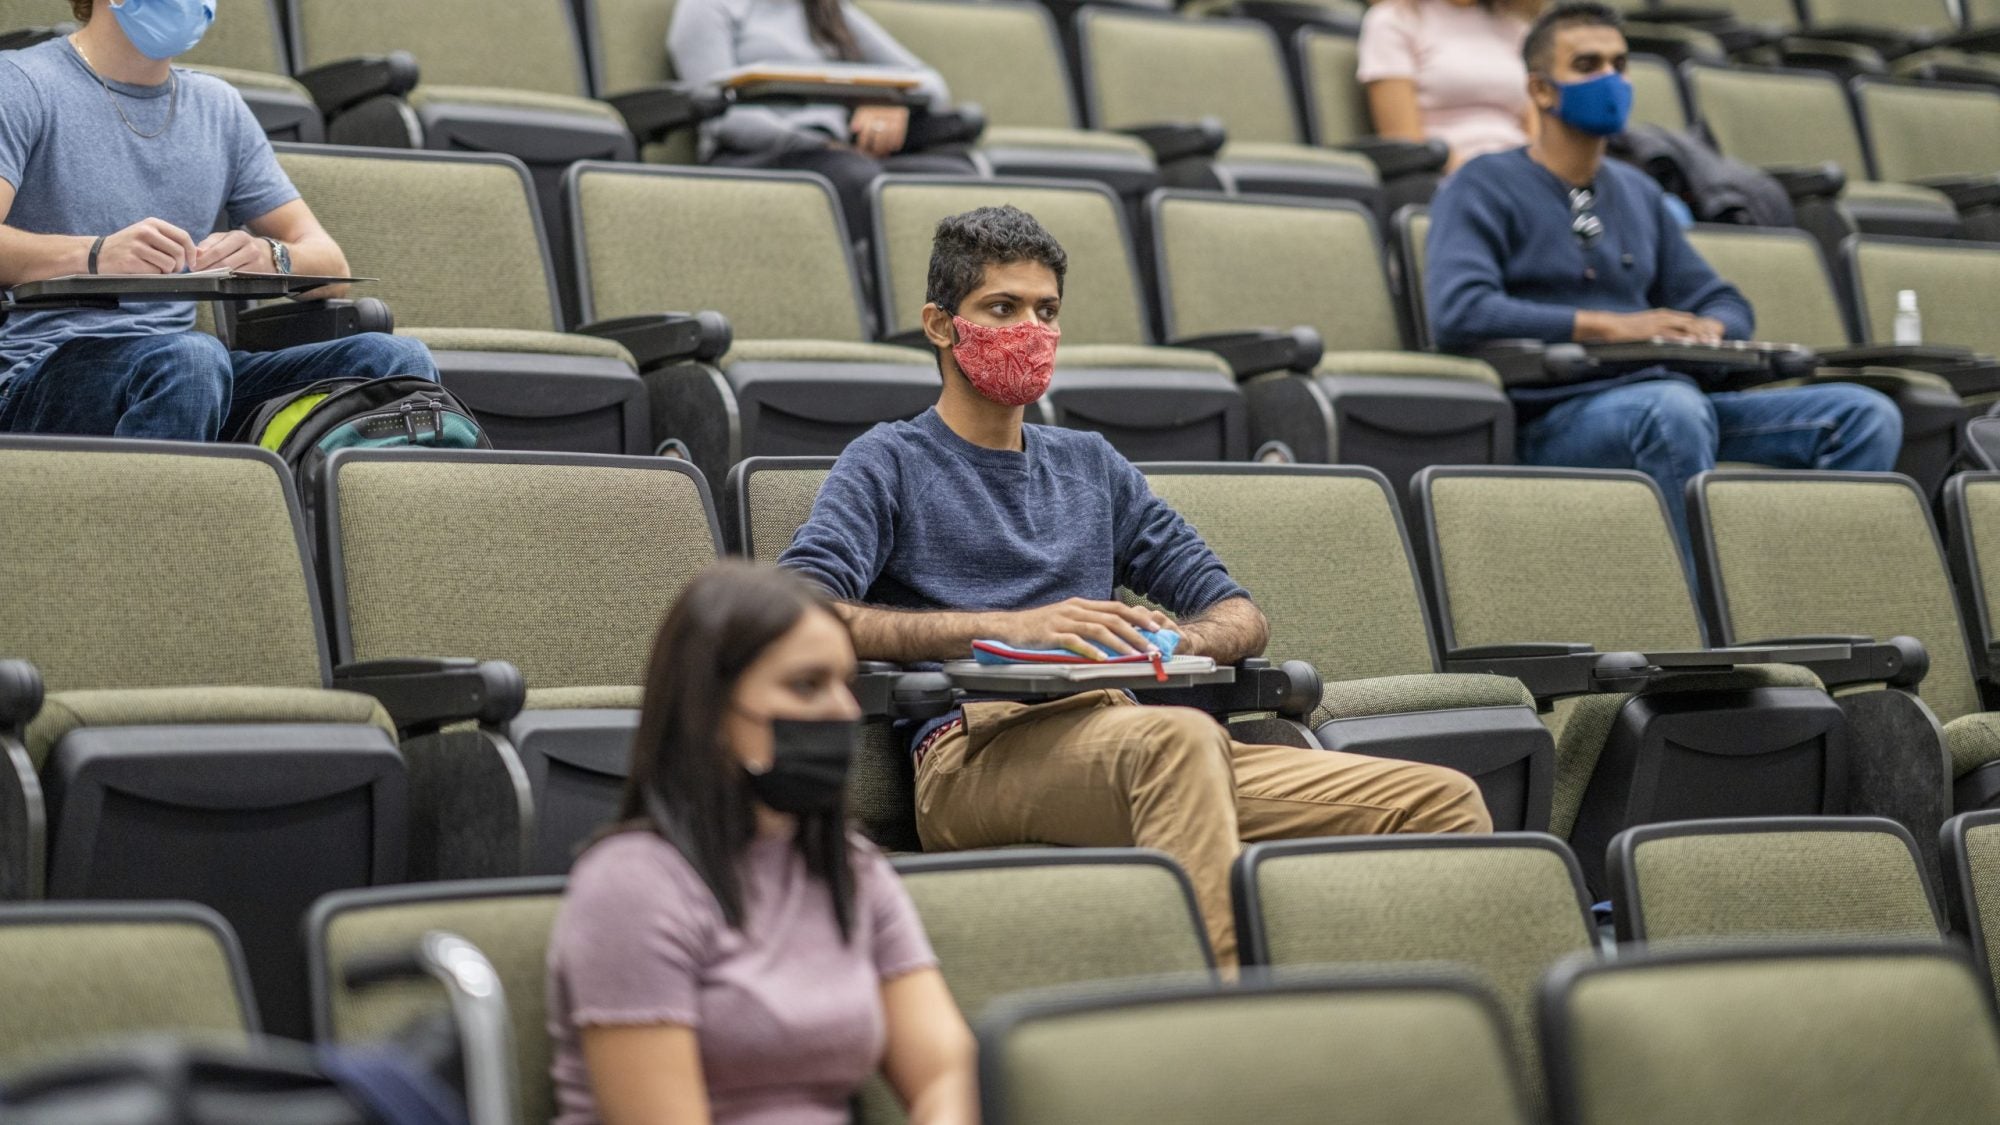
1598 106
162 29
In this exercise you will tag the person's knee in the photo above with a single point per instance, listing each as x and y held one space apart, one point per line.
1871 424
1451 802
379 355
1673 413
188 363
1178 740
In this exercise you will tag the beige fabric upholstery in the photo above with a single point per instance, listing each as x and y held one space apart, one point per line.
1339 110
1857 1040
1401 1055
527 100
1144 70
512 931
1003 57
779 501
1803 556
1771 119
1773 886
1926 131
1020 136
1433 691
1973 741
1506 911
242 37
603 696
1614 582
565 570
1982 895
403 220
72 984
1910 196
631 47
768 251
1951 283
1100 297
1656 95
1783 276
516 342
458 42
1115 355
1291 152
68 711
1982 531
257 80
1908 15
822 351
172 570
1416 365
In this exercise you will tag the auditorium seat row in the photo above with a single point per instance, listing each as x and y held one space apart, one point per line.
1083 968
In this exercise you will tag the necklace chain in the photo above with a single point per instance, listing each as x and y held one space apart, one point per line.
173 96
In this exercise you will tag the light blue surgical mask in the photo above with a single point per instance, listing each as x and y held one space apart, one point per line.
1598 106
162 29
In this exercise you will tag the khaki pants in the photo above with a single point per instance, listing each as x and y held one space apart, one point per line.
1097 770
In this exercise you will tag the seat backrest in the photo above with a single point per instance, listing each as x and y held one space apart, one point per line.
1971 843
1143 69
1322 550
563 564
1557 555
1101 300
1830 554
1952 281
179 565
1769 13
628 47
508 919
1656 92
1001 55
1413 228
1917 130
403 218
1336 104
1508 906
1773 117
1782 273
1279 1053
75 974
1903 15
1972 517
1226 264
1824 1033
771 497
1767 878
767 248
246 35
533 47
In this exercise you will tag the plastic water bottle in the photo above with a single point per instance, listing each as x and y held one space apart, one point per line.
1909 322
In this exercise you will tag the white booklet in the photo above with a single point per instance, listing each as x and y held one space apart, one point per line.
1082 670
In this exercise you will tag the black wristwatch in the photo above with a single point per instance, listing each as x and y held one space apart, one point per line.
281 256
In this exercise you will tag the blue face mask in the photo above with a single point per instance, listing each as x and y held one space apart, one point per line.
161 29
1598 106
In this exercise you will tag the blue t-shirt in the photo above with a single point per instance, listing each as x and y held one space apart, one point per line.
1501 261
76 168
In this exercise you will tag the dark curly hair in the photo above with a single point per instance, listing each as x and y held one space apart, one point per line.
1541 40
81 10
966 244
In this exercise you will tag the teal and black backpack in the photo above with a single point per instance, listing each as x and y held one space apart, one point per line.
311 424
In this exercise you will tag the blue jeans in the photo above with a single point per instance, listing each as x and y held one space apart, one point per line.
183 386
1671 431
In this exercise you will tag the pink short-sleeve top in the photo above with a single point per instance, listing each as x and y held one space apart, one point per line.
788 1016
1472 87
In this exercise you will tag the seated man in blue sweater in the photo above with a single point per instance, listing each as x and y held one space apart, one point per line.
965 524
1551 242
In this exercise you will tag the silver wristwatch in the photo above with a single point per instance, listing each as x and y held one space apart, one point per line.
281 255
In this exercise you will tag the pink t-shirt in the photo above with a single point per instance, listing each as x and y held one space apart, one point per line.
788 1017
1472 86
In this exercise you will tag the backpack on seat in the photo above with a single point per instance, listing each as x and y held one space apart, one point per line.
309 425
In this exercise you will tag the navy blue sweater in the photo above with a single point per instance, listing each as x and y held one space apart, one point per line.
1501 261
915 517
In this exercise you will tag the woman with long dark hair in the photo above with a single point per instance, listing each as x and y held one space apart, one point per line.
728 952
709 38
1449 70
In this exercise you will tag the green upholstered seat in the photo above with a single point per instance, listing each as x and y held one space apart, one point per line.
66 711
1971 844
1916 131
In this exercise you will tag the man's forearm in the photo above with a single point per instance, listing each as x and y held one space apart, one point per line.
911 636
28 257
1231 630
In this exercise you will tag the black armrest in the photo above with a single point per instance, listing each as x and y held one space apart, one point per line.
1394 158
908 338
20 694
1532 362
1181 140
1947 69
657 339
1918 357
1265 349
1965 191
342 85
286 324
1888 42
1809 181
1899 661
1549 671
23 37
960 125
1293 690
422 694
886 691
652 112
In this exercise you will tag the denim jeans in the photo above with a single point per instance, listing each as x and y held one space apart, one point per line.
183 386
1671 431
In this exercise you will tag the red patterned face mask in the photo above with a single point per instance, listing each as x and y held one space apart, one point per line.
1010 365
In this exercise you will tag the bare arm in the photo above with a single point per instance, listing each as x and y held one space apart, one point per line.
909 636
147 246
313 250
646 1075
931 1053
1392 105
1230 630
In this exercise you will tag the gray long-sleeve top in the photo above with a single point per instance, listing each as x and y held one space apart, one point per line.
709 38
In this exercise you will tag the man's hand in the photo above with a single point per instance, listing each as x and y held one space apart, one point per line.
1662 324
147 246
879 130
1075 623
235 250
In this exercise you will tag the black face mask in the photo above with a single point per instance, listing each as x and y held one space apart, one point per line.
808 771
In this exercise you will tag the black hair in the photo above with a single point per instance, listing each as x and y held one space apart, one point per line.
964 245
684 783
827 25
1541 40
